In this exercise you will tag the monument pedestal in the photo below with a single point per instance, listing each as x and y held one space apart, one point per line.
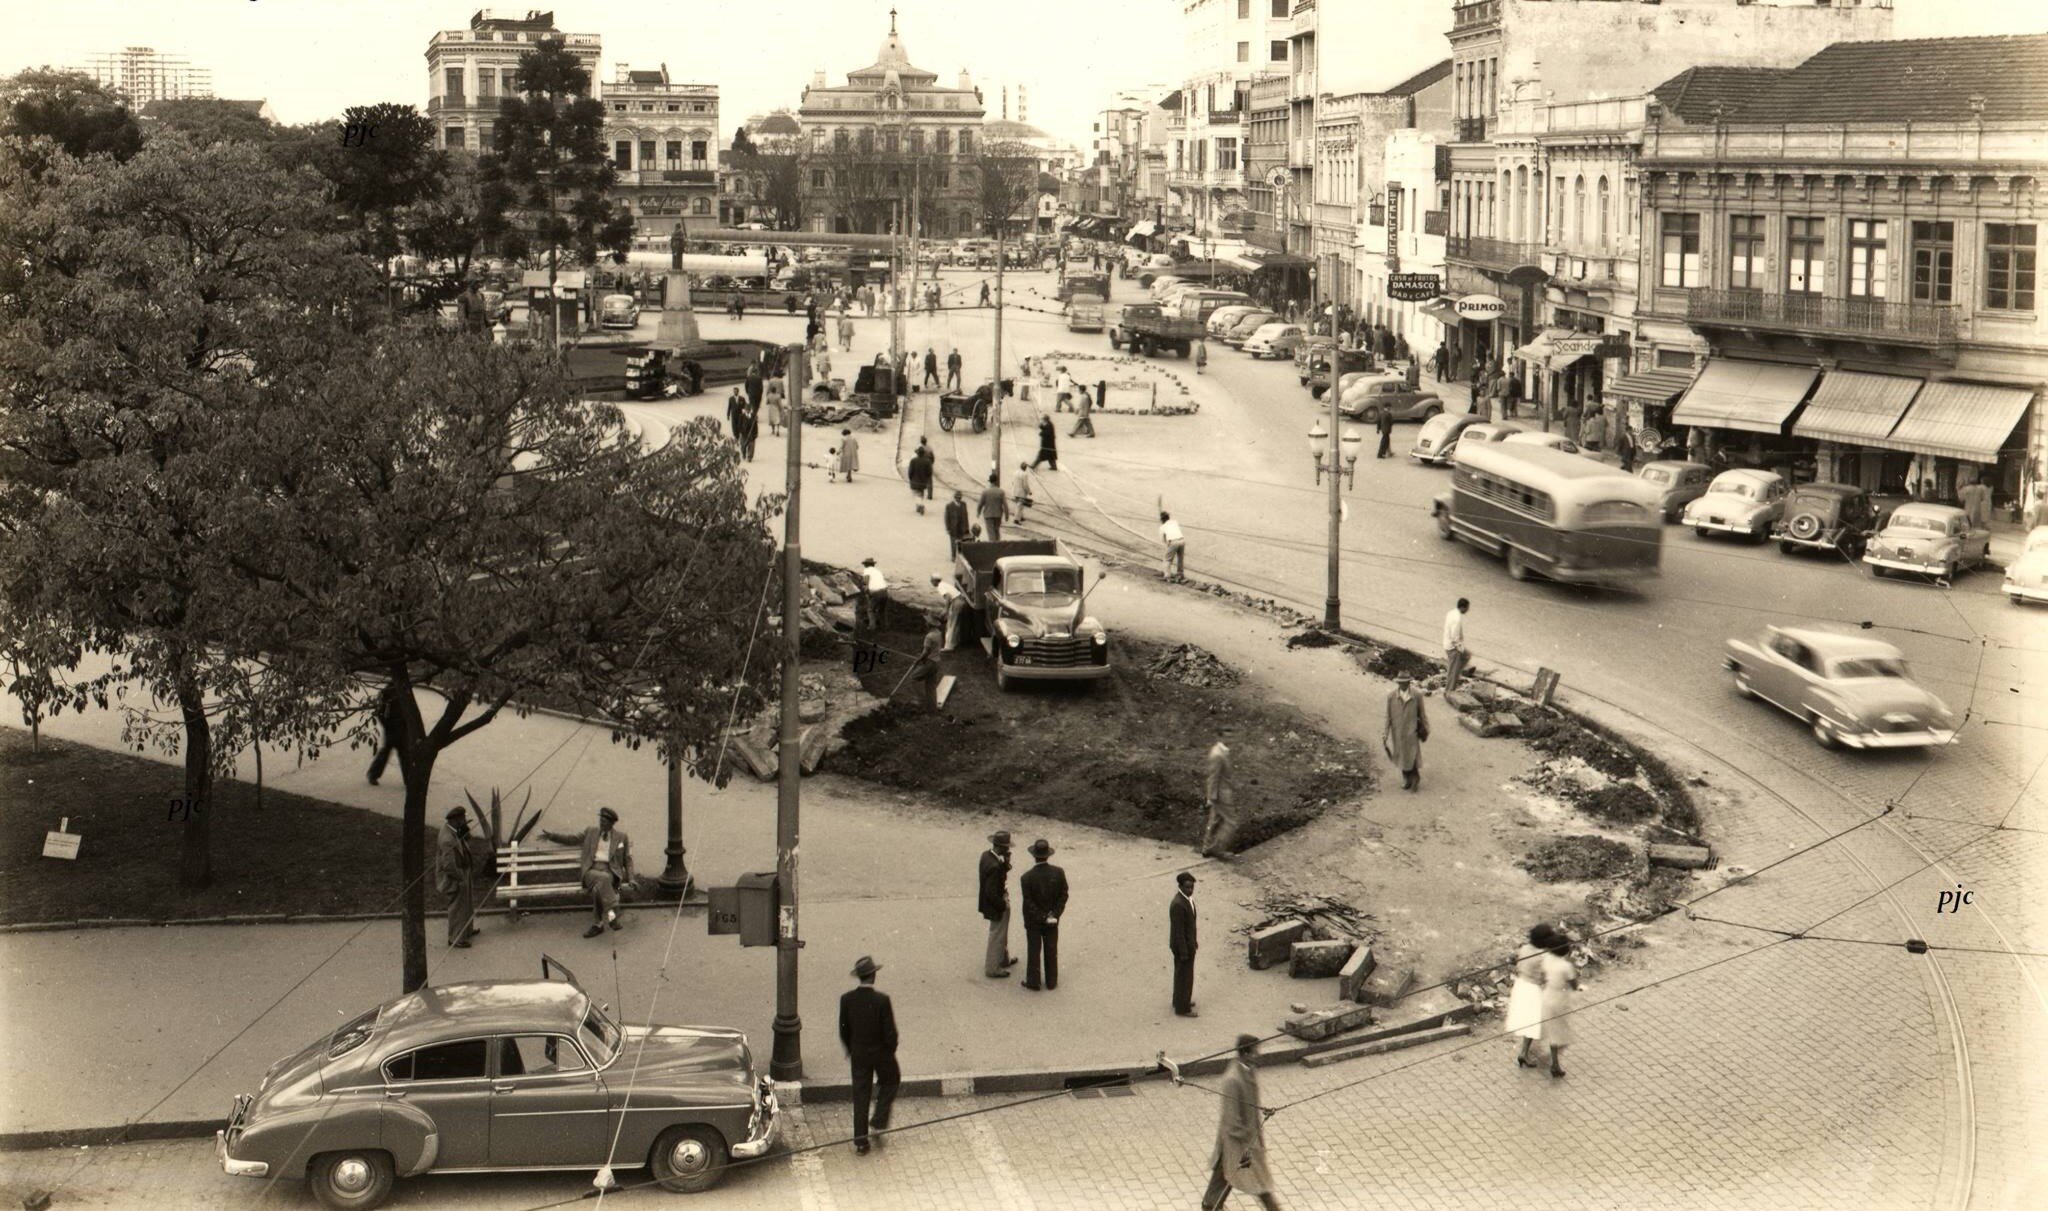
678 333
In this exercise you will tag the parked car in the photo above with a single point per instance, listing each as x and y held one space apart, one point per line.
1931 540
1245 327
2026 579
1439 436
1550 441
1742 501
1681 482
1849 689
1222 318
618 311
1365 399
1275 340
500 1075
1825 516
1030 597
1483 432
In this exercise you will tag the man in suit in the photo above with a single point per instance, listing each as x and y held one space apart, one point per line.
1045 900
463 862
867 1029
605 863
1180 939
957 527
995 906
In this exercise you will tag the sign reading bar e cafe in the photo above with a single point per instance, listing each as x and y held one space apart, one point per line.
1414 287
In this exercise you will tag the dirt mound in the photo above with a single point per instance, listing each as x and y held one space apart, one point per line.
1602 755
1313 638
1125 753
1191 665
1578 859
1618 803
1391 663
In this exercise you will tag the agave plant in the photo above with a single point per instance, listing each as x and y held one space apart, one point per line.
522 824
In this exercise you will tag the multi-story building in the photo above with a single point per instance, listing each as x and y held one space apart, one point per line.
1130 153
663 136
470 70
775 131
1350 181
892 133
1228 45
1268 181
1856 267
141 74
1402 231
1508 53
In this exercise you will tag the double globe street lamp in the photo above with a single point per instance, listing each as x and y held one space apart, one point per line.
1325 452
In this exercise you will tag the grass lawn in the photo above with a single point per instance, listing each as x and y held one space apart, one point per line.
295 855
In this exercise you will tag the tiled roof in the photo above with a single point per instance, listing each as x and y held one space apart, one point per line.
1693 93
646 77
1918 80
1422 79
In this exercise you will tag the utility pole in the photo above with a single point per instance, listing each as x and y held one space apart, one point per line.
786 1063
1332 607
995 407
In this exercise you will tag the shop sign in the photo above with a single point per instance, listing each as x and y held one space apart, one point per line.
1614 345
1414 287
1393 226
1574 346
1482 307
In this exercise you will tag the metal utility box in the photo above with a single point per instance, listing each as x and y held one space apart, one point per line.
747 909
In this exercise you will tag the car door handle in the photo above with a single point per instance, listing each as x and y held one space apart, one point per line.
394 1093
502 1087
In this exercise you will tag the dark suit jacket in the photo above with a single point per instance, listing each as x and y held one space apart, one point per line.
1181 936
867 1024
1044 888
956 518
995 885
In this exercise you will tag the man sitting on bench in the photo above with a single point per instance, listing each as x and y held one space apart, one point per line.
605 864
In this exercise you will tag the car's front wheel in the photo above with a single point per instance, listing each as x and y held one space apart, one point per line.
352 1181
1742 685
688 1160
1824 732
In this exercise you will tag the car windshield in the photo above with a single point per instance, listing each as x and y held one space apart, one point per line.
1916 521
1657 475
600 1036
1044 582
1868 666
1738 487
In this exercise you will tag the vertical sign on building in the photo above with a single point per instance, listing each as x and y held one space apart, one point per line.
1393 227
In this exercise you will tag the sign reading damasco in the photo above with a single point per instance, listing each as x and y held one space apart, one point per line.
1414 287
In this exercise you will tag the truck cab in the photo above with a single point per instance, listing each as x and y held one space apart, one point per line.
1031 600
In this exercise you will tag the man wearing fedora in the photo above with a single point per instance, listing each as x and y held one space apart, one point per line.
463 862
995 905
604 864
1180 938
867 1029
1044 889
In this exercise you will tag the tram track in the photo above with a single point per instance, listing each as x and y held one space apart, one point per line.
1956 1189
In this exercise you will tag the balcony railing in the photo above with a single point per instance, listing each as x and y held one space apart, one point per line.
1918 323
1469 130
1485 12
1492 254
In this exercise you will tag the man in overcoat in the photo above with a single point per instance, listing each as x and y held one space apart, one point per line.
867 1029
1219 802
1238 1162
1044 889
464 866
1407 728
994 902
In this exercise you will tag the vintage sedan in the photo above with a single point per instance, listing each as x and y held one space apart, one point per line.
500 1075
1222 318
1850 690
1836 518
1549 441
1485 431
1930 540
1275 340
1680 482
618 311
1364 400
1743 501
1439 436
1245 326
2026 578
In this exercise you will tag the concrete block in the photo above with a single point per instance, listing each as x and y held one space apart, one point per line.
1463 701
1322 1023
1317 960
1386 986
1352 977
810 710
1415 1039
759 761
812 748
1271 944
1491 723
1685 857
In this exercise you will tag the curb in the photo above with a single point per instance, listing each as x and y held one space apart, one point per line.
694 901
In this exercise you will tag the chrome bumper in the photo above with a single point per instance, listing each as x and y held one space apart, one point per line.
1925 738
228 1164
2021 592
762 1137
1055 672
1817 544
1900 565
1431 458
1724 527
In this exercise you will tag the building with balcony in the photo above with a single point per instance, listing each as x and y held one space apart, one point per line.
470 70
1858 264
1267 180
1228 45
663 136
891 139
1354 187
1129 153
1402 231
1522 56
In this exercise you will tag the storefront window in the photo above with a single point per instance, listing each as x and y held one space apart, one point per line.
2009 266
1869 260
1934 262
1681 251
1745 252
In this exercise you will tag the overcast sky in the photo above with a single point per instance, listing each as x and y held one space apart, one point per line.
311 58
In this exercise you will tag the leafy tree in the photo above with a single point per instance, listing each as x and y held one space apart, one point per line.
1006 181
207 120
858 183
82 116
782 186
145 306
448 517
741 144
550 175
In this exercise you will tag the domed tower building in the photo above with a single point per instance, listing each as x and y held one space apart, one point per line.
891 140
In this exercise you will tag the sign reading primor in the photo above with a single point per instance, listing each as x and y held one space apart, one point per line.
1482 307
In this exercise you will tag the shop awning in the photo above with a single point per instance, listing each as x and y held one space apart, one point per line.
1857 408
1281 260
1546 350
1969 421
1444 311
1755 397
1236 261
1143 227
1652 387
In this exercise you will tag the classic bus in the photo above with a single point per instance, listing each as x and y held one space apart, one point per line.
1561 516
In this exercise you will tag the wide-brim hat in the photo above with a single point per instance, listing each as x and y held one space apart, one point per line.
864 967
1041 848
1001 837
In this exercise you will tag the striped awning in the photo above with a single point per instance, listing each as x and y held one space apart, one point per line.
1653 387
1861 409
1443 310
1969 421
1756 397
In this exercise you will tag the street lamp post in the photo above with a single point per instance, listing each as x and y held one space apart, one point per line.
786 1062
1324 444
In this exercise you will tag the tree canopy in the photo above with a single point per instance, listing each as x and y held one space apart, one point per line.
550 174
82 116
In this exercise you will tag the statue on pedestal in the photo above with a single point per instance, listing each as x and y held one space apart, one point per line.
675 249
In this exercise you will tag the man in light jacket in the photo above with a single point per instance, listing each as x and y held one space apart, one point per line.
604 864
1238 1162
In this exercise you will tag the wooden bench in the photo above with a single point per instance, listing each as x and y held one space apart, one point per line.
538 872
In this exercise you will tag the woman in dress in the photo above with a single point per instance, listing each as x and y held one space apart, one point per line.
1560 980
772 405
1525 999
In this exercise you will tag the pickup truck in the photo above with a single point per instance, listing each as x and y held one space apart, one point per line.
1147 329
1084 313
1029 596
